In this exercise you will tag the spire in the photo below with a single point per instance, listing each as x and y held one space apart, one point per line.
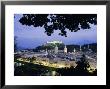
74 50
65 49
46 52
88 46
80 48
56 49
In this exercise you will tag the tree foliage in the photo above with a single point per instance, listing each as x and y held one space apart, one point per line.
83 64
51 22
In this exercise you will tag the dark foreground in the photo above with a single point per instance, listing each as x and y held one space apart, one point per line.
30 69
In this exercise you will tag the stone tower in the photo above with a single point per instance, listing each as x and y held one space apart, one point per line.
65 49
56 49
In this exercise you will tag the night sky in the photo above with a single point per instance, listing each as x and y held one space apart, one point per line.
31 37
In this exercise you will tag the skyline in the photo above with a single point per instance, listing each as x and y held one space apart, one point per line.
29 36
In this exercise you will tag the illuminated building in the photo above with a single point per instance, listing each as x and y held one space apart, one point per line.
65 49
56 49
88 46
54 42
46 53
80 48
74 50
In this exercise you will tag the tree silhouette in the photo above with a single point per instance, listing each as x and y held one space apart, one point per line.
83 64
51 22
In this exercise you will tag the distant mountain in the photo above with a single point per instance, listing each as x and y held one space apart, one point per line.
92 46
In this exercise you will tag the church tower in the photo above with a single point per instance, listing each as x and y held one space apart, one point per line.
88 46
56 49
80 48
65 49
74 50
46 52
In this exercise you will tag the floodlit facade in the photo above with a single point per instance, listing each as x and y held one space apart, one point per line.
65 49
56 49
53 42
